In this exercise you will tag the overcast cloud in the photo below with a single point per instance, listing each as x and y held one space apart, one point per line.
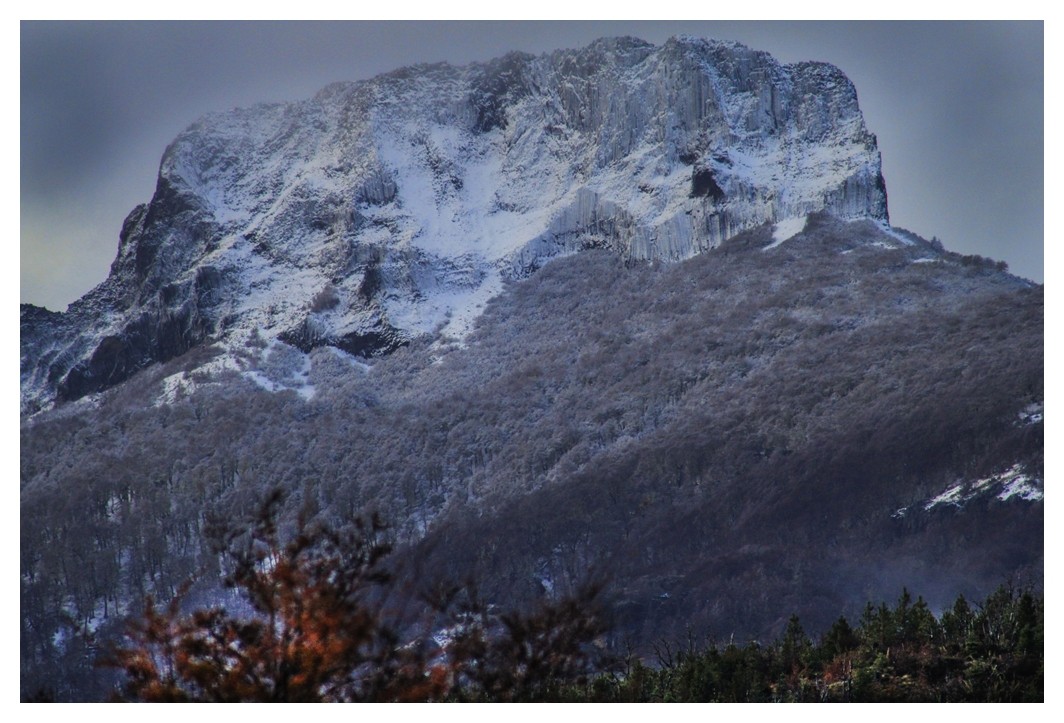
957 108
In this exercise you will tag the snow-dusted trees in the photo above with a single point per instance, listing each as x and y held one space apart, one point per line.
698 427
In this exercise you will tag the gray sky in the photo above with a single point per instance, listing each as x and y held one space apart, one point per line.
957 108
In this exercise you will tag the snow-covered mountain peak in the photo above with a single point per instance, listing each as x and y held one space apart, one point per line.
382 210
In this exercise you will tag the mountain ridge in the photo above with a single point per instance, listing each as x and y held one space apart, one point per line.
380 211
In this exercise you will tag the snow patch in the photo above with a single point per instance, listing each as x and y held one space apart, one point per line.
1032 414
283 368
1022 488
183 384
785 230
952 496
896 233
1013 482
173 386
1020 485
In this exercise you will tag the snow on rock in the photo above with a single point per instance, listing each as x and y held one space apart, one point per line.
1032 414
173 387
380 211
281 368
907 238
952 496
1016 484
1021 487
1013 482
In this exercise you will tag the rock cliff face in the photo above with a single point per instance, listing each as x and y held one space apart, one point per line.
382 210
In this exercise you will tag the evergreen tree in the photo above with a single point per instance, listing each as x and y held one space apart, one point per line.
839 639
794 646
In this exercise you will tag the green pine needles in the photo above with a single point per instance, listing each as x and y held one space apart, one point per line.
986 652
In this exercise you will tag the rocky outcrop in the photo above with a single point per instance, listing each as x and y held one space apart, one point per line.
414 195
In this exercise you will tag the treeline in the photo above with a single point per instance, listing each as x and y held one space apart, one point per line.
992 651
321 615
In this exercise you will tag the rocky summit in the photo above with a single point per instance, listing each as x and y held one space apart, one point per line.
386 210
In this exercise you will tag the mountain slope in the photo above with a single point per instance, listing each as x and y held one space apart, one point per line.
720 440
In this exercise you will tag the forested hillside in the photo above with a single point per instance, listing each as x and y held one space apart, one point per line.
322 617
757 431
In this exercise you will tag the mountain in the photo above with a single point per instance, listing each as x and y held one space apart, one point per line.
383 211
686 354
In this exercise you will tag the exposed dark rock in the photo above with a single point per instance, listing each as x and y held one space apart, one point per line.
371 343
498 84
378 342
703 184
152 337
371 280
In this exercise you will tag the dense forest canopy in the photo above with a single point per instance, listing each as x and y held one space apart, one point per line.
726 441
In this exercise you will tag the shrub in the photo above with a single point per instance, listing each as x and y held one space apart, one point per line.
319 632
